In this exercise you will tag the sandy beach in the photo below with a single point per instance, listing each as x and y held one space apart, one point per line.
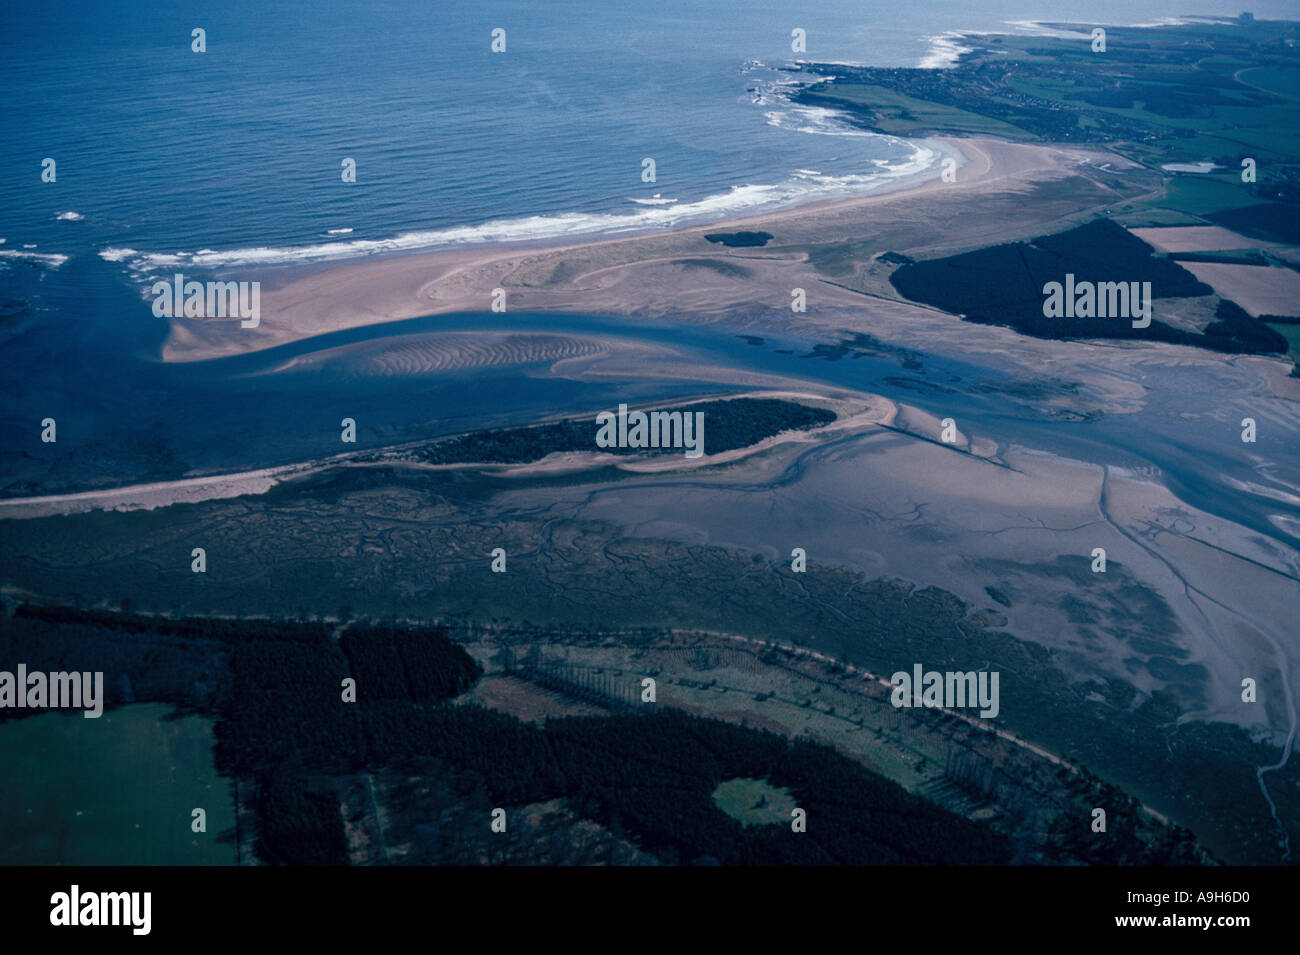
656 274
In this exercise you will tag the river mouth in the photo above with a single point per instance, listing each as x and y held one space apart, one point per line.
1065 447
425 377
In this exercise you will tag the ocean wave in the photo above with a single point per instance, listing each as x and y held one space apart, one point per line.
945 50
746 198
69 217
817 120
49 260
529 228
774 88
655 213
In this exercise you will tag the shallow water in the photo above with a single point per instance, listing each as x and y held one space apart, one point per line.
239 413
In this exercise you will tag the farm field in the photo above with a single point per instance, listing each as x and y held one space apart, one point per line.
115 790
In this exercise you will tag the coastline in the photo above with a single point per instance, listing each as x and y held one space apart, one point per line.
319 299
656 217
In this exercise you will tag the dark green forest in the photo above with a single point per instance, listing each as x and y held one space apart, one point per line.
1003 285
732 424
282 721
275 689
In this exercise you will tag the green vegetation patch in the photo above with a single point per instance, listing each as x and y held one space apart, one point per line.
1218 92
1291 333
891 111
1200 195
730 424
754 802
1152 87
117 790
286 725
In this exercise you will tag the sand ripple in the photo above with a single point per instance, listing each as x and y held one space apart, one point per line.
442 352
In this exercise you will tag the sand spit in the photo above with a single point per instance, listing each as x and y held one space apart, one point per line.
147 497
855 413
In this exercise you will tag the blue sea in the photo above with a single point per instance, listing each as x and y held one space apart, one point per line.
234 156
169 160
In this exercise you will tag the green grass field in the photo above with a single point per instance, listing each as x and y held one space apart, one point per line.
903 115
1197 194
1190 93
1292 334
754 802
117 790
1275 79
